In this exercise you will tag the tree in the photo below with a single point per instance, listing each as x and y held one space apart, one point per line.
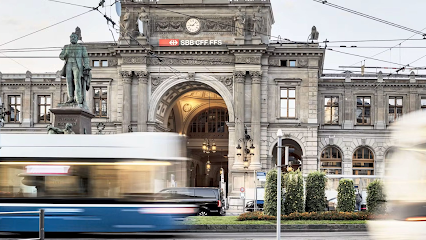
315 192
346 196
294 201
376 197
270 206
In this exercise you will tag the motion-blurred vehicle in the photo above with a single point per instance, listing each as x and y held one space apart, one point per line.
332 204
208 199
92 183
405 182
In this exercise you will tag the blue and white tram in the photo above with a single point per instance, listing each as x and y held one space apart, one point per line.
92 183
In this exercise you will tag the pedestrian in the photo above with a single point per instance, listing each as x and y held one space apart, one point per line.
358 199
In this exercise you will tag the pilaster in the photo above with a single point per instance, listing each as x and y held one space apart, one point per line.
239 77
126 78
256 77
142 100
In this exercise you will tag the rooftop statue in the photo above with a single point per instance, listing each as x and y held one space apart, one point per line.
76 70
55 130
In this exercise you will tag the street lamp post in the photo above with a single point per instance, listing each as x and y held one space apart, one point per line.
279 188
248 150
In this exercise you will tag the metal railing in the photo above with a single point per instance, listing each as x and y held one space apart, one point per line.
41 220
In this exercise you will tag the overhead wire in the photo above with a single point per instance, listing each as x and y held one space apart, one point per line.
68 3
371 17
356 55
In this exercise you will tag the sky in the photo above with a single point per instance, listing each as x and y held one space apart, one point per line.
293 20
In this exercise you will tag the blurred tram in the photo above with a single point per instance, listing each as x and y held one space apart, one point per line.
405 182
92 183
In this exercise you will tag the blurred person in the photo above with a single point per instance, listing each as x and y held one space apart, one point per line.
358 199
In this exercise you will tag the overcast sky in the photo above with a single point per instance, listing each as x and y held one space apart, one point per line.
293 20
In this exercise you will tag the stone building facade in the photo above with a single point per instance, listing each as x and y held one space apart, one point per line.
207 69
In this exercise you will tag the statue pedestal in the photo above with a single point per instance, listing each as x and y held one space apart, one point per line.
239 40
256 40
80 118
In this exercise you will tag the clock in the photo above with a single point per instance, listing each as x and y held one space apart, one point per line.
193 25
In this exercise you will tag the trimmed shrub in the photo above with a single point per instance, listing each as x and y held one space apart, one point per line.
294 201
376 197
346 196
330 215
315 192
270 205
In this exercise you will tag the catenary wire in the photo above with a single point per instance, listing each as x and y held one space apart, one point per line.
370 17
73 4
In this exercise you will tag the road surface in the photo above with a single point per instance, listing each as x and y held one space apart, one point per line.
207 236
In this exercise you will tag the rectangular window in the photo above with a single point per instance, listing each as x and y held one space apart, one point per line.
96 63
423 103
363 110
15 108
104 63
395 109
100 98
331 110
292 63
44 104
288 102
283 63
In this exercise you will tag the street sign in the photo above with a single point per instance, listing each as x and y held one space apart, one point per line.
242 189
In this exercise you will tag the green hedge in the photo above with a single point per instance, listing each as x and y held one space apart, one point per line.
376 197
346 196
315 192
270 205
330 215
294 201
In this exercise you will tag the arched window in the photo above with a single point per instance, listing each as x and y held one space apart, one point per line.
331 161
210 121
363 162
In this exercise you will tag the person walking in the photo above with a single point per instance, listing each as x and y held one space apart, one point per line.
358 199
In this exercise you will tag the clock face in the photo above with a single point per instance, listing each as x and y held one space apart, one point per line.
193 25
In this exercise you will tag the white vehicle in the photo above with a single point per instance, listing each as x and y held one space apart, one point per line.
405 182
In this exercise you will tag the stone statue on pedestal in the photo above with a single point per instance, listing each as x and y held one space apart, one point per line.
144 18
77 71
240 21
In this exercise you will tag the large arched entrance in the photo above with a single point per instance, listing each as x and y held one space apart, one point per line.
295 155
199 110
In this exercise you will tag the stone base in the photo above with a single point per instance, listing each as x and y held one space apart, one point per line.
79 117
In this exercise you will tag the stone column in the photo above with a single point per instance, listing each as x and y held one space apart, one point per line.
348 119
240 77
142 100
126 77
256 77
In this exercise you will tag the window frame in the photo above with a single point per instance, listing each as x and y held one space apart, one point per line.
207 126
45 105
9 105
99 101
355 159
331 110
395 107
363 111
288 98
331 159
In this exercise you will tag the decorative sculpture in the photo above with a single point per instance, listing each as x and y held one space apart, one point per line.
76 70
257 22
144 20
240 21
125 23
55 130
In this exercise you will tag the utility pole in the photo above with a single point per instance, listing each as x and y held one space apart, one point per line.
279 188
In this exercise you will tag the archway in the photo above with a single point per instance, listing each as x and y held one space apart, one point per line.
180 106
295 155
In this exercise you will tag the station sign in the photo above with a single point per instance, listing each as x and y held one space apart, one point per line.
185 42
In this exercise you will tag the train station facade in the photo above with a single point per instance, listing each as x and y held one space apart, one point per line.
208 70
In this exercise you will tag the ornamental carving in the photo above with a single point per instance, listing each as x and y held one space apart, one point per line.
28 74
187 107
112 62
216 25
193 61
134 60
191 76
43 87
126 76
169 24
13 87
247 60
228 82
240 76
156 81
142 76
256 76
274 62
303 62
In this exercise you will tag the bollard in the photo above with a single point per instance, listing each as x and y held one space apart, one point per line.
41 219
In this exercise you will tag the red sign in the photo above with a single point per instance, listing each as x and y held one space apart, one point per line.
242 189
169 42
